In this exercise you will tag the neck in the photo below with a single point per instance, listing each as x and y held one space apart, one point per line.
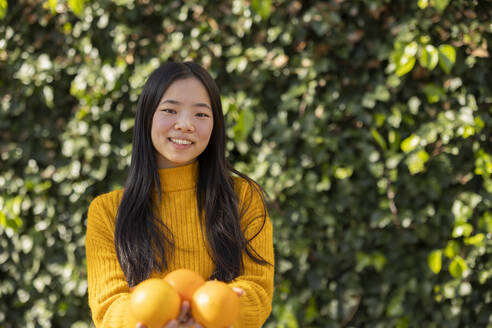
179 178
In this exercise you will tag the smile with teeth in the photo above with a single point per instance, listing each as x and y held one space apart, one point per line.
181 141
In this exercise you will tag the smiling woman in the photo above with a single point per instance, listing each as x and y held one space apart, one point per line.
183 206
182 123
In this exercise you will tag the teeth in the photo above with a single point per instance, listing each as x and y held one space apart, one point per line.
181 142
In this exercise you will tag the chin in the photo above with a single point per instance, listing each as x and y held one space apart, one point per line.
181 163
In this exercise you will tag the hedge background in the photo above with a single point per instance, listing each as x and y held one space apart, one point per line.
368 122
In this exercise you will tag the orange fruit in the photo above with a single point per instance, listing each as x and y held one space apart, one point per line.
185 281
154 302
215 305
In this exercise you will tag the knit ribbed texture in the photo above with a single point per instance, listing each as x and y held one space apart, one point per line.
108 289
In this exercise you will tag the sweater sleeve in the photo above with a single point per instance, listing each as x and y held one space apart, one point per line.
109 296
257 279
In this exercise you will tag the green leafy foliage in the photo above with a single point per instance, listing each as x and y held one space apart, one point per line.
447 57
3 8
263 8
77 6
368 123
429 57
435 261
457 267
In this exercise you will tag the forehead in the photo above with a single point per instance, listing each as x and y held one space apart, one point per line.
187 91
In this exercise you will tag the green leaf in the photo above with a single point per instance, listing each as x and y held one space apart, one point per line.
77 6
428 57
395 307
48 96
379 139
14 205
416 162
312 310
474 240
262 7
483 163
410 143
467 131
447 57
368 100
3 219
324 184
411 49
287 318
381 93
486 221
343 172
423 4
452 249
378 261
405 65
405 60
441 4
462 208
16 223
434 260
457 267
462 230
363 260
414 104
52 4
3 8
244 124
394 139
403 322
433 92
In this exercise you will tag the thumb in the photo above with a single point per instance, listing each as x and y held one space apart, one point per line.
171 324
239 291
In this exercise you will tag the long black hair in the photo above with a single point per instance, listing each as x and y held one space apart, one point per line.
142 240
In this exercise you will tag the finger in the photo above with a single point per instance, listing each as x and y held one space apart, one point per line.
239 291
141 325
171 324
185 307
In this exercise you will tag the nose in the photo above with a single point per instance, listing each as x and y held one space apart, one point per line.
183 123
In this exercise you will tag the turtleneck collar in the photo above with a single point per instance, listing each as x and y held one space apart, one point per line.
179 178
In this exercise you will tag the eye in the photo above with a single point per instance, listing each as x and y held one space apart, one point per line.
169 111
202 115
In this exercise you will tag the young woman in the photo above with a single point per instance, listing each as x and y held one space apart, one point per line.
181 206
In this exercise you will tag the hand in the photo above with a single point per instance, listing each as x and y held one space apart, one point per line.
183 320
239 291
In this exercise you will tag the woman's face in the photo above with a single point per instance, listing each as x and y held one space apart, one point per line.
182 123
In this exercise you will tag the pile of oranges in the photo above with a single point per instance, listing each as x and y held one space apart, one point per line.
154 302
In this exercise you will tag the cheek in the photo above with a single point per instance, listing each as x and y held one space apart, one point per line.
160 125
206 131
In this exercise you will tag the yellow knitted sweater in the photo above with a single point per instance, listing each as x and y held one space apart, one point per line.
108 289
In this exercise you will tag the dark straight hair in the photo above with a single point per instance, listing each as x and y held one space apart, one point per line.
142 240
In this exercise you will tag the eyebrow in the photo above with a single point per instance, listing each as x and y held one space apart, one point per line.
175 102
